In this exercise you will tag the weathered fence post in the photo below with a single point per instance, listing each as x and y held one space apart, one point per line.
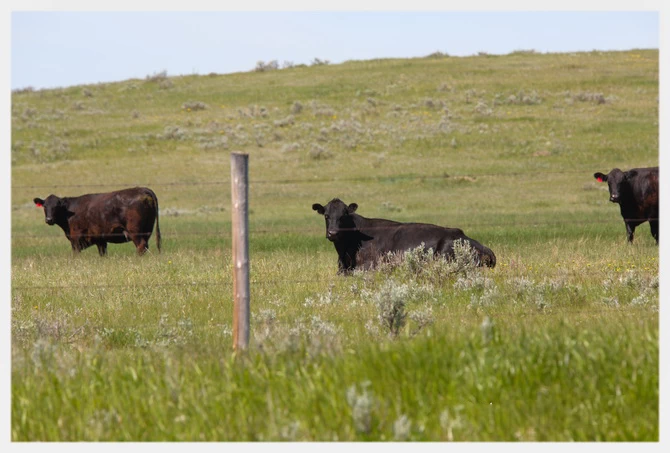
239 177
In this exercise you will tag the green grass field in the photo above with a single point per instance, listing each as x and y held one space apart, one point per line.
558 342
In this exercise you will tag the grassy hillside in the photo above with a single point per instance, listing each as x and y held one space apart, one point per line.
558 342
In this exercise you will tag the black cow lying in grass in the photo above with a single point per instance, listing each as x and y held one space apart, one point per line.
360 241
636 191
99 218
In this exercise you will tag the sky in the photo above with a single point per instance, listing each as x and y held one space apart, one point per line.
63 48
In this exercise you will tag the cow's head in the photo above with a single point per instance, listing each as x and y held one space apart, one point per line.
55 209
338 217
618 182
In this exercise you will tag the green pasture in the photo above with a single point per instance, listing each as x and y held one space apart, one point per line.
559 342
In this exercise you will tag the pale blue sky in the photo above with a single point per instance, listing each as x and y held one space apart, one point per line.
58 49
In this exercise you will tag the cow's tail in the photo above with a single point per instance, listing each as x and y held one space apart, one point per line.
158 229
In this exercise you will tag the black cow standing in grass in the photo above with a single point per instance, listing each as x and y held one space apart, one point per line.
98 218
636 191
360 241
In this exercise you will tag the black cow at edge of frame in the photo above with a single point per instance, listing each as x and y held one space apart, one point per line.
360 241
636 191
98 218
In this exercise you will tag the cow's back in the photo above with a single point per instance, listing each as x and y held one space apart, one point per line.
388 236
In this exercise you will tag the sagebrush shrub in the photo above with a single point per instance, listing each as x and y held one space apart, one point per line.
193 106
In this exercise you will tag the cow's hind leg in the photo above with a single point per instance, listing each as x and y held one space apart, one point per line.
141 243
630 231
654 229
102 248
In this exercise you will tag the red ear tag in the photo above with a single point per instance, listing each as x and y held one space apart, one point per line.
600 179
38 205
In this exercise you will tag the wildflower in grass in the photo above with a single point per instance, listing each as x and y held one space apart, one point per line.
523 285
641 299
320 327
289 432
361 407
540 302
372 328
488 298
473 281
266 316
450 420
630 278
421 318
610 301
402 428
487 328
43 353
321 300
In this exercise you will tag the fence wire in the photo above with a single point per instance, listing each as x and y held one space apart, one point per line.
271 282
314 230
385 178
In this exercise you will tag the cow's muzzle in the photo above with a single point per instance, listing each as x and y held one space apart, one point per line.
49 220
614 198
331 235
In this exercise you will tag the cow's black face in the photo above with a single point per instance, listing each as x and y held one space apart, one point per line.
338 217
55 210
617 181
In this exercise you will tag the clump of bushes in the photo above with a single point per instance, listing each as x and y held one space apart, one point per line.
173 133
262 66
285 122
165 84
437 54
483 109
27 89
290 147
193 106
520 98
587 96
157 76
423 262
296 108
319 109
318 152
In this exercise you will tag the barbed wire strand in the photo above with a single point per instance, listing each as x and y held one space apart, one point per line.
313 230
548 312
604 272
385 178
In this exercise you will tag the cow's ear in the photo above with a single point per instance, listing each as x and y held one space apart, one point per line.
600 177
38 202
318 208
352 208
631 174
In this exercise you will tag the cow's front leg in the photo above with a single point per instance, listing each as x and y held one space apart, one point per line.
630 231
76 249
345 264
340 266
102 248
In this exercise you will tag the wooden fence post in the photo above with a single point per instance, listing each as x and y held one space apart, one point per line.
239 177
